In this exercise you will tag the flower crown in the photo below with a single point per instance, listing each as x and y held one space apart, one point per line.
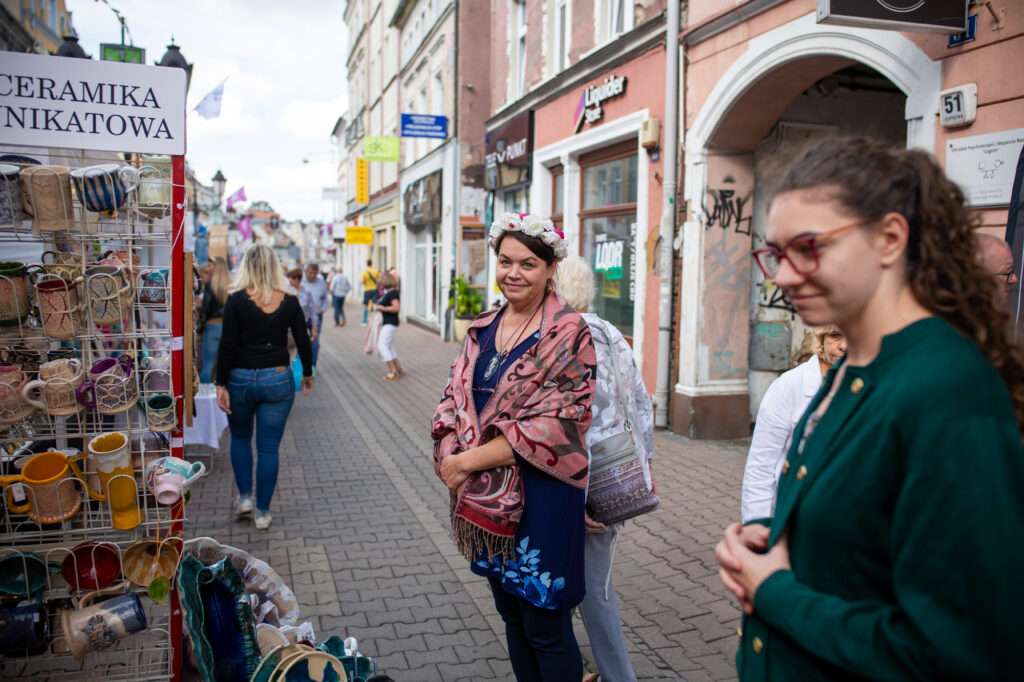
533 226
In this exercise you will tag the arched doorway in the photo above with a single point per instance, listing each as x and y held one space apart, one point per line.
796 83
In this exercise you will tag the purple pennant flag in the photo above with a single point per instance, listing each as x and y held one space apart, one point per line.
236 197
244 229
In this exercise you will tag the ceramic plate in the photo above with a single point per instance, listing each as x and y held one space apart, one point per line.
276 602
271 660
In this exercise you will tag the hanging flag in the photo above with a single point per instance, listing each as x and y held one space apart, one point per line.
209 106
236 197
244 229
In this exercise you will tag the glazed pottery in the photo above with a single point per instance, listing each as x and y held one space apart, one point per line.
13 406
49 482
62 264
219 620
23 573
109 292
160 413
111 385
104 188
23 627
125 258
111 456
310 666
91 566
149 559
14 302
272 659
46 194
154 193
25 357
92 628
59 379
169 477
10 196
59 307
153 286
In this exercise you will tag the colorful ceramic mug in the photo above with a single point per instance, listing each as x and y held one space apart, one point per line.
153 286
14 302
92 628
160 412
105 187
112 458
49 481
62 264
46 195
59 379
13 405
59 305
110 393
23 627
170 477
109 292
11 213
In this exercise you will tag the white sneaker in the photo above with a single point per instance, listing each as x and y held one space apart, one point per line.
243 505
263 520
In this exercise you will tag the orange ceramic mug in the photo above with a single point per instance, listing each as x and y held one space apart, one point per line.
49 481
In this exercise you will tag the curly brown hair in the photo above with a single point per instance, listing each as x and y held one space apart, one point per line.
870 179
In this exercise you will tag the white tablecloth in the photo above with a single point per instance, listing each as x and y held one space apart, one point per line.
210 421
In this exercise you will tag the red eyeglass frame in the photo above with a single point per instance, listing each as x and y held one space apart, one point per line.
811 242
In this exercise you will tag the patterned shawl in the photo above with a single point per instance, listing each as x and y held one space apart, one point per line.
542 406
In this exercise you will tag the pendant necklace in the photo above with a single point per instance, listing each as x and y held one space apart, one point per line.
499 358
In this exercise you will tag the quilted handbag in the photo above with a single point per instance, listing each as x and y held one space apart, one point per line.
618 489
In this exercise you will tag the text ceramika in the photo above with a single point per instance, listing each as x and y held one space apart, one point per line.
43 112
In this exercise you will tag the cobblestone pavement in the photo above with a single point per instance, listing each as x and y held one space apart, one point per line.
360 530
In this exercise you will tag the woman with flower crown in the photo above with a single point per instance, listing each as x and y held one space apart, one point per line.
509 442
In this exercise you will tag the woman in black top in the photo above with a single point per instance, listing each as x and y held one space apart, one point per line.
254 381
389 306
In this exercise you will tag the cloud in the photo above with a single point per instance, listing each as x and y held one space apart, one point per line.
308 119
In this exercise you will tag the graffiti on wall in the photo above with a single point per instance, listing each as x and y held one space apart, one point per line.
771 296
727 209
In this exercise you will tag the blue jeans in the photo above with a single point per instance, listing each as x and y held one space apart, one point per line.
263 396
319 331
339 309
211 342
541 644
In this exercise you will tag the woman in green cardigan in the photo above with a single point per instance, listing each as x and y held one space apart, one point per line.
897 544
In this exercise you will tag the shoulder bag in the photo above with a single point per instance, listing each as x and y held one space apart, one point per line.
617 489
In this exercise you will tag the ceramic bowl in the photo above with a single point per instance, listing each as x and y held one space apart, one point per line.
91 566
23 573
149 558
310 666
273 658
275 602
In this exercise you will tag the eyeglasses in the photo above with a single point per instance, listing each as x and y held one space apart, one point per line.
802 253
1008 275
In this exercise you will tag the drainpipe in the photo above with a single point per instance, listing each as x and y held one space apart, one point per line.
668 214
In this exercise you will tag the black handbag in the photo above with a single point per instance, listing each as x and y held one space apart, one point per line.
618 489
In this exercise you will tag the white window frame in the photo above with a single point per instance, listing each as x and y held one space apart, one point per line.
520 27
562 35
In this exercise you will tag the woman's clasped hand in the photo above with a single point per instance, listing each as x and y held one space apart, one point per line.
743 562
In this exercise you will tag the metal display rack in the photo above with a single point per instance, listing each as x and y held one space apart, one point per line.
147 240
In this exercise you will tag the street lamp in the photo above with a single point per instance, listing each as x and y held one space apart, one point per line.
219 182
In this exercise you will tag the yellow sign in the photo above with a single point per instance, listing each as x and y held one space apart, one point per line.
355 234
362 182
218 241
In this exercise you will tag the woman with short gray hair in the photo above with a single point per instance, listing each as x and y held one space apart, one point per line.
574 281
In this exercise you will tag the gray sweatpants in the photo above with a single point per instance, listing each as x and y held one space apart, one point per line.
600 610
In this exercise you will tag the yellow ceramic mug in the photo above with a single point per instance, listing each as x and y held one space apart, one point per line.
49 480
111 454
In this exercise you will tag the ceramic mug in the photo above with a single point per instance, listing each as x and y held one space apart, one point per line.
170 477
154 192
58 380
105 187
112 392
92 628
160 412
11 214
49 481
59 306
23 627
109 292
46 195
111 456
25 357
62 264
13 405
153 286
14 303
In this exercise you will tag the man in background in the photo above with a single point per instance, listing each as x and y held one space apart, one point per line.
339 286
369 277
317 288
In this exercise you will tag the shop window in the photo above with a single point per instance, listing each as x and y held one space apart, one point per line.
558 196
608 222
473 255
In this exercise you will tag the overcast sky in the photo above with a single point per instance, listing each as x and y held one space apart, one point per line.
285 69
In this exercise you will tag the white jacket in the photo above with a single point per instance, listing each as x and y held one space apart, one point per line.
783 405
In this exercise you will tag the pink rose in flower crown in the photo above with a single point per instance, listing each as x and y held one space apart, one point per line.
531 225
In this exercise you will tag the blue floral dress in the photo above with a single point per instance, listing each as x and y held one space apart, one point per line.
548 568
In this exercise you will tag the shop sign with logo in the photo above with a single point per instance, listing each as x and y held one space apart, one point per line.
422 202
48 101
129 54
509 152
935 16
608 258
424 125
381 148
589 109
355 235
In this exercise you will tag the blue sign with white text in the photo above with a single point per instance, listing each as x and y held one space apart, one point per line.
424 125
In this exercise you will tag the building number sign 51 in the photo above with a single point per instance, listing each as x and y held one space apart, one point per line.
958 106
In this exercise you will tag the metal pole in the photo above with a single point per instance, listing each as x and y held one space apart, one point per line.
668 214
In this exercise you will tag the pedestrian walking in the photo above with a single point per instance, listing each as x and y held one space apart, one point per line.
308 306
215 294
340 286
315 285
369 277
781 407
898 533
389 306
600 606
254 382
515 460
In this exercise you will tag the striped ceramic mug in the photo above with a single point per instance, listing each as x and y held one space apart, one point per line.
104 188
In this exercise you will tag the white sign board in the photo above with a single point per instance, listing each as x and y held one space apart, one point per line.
336 193
48 101
983 165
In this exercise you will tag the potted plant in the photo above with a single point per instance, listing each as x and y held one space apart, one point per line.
467 304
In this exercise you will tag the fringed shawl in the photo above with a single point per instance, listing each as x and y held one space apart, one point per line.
541 405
